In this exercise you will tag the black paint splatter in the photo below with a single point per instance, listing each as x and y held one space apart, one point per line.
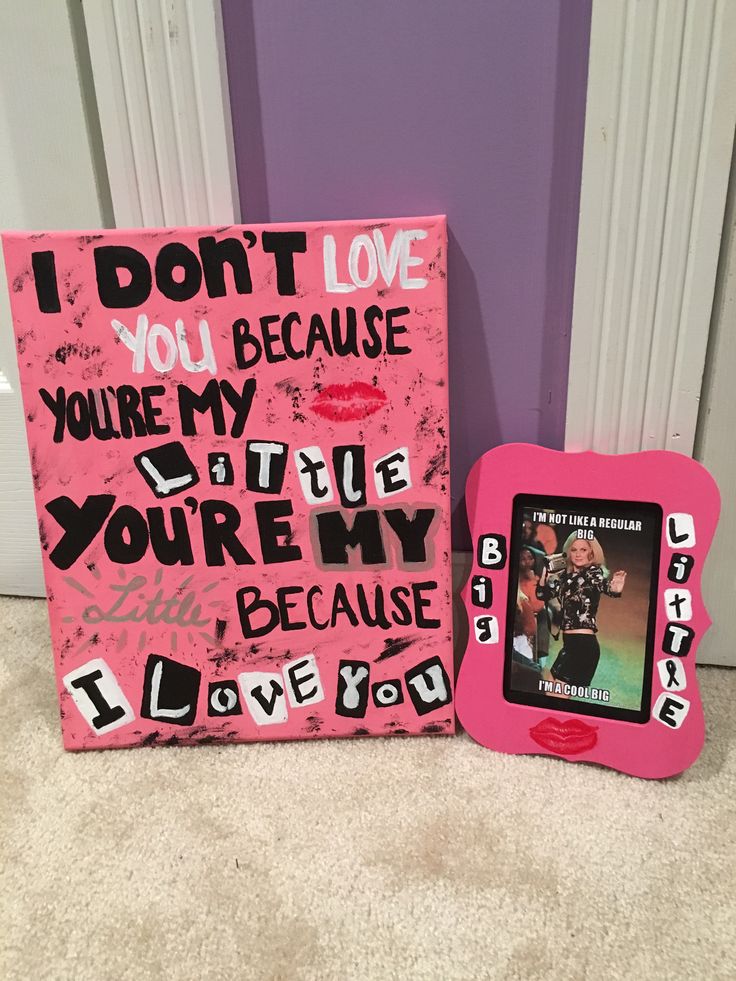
22 340
72 292
437 464
395 645
79 318
35 470
20 280
220 628
65 351
228 655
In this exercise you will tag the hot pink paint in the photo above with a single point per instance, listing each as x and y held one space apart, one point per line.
124 617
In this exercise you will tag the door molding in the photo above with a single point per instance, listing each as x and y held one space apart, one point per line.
162 96
660 115
714 445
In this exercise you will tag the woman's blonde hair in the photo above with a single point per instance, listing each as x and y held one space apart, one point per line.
596 552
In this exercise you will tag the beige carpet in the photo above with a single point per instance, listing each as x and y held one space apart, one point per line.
417 858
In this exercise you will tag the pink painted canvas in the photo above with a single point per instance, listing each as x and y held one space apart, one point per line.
239 443
585 606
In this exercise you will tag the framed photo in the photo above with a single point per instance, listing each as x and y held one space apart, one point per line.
584 606
581 605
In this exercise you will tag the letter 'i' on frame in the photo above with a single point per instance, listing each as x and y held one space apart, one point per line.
224 420
577 557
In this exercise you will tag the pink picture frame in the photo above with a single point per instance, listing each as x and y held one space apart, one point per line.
657 512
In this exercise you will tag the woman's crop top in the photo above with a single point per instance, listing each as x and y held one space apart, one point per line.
578 593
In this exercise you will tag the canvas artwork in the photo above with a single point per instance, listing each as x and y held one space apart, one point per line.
239 444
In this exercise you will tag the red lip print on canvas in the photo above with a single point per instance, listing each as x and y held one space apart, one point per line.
564 738
344 403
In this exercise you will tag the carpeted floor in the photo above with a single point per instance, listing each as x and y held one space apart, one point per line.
420 858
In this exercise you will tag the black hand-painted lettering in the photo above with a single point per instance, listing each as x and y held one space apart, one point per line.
283 246
80 525
44 278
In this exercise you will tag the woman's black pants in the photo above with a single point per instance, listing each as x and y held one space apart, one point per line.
578 659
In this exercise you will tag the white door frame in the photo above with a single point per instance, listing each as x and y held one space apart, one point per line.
714 445
163 100
660 115
659 136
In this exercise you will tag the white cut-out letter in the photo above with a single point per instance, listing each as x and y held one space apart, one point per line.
264 695
671 710
680 528
313 475
98 696
672 674
303 683
678 604
391 473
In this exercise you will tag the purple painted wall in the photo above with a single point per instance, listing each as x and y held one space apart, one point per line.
352 109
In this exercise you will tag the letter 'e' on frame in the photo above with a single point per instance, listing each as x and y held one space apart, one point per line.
671 710
98 696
